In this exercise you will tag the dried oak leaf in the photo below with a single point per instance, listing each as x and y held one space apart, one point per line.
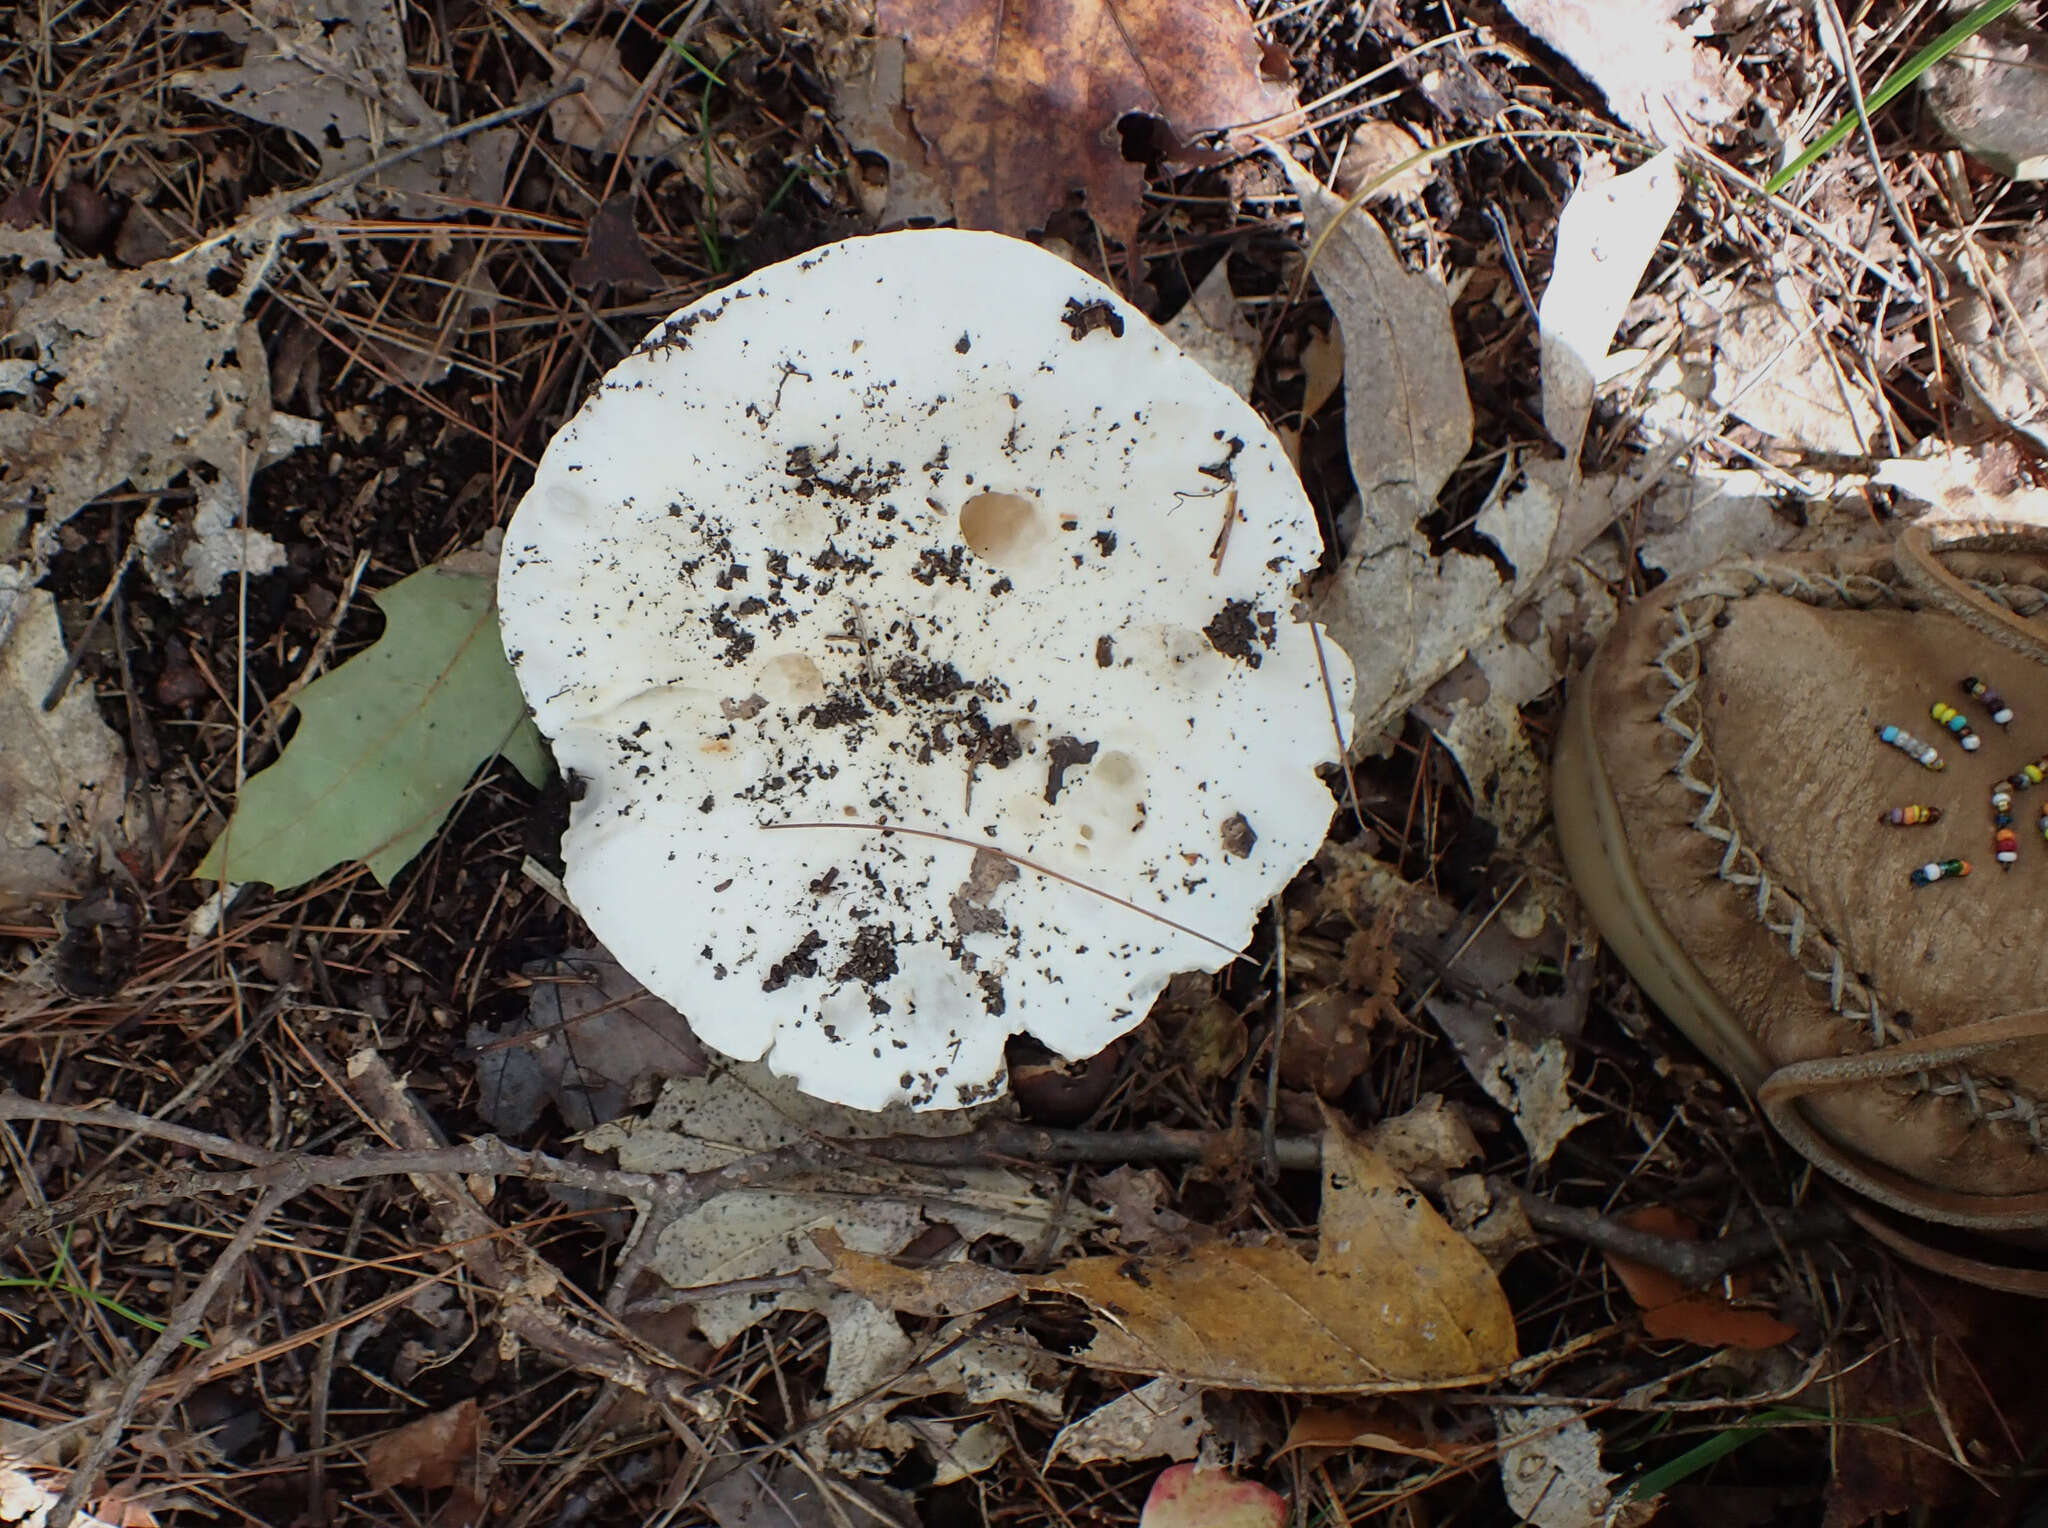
335 73
1394 1300
136 375
1018 104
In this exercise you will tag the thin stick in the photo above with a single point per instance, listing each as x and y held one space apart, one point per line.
288 696
85 1475
99 613
1936 281
1269 1127
1222 544
886 828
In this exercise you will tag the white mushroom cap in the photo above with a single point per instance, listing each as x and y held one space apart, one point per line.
926 531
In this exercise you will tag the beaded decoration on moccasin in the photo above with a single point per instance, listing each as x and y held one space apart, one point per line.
1806 801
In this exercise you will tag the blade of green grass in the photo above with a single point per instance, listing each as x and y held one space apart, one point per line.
1897 81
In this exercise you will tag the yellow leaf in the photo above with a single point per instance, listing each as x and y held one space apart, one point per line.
1394 1296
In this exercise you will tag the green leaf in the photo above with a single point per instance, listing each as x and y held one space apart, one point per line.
386 742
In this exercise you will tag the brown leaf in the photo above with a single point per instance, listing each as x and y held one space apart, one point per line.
1673 1312
948 1289
594 1042
1395 1296
612 253
1018 103
428 1452
1960 1372
1374 1427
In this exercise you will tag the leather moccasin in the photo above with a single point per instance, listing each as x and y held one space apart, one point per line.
1750 845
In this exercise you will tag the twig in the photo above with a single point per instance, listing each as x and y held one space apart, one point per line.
1694 1264
273 719
1936 281
273 210
184 1322
523 1295
99 613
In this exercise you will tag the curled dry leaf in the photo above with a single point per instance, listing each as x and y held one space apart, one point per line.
1187 1496
1671 1311
1379 1428
1382 159
595 1042
1605 237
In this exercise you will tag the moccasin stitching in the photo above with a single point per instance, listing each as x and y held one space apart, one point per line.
1693 622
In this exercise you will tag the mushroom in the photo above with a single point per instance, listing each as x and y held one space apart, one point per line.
920 628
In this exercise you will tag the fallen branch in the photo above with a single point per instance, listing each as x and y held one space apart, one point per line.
1694 1264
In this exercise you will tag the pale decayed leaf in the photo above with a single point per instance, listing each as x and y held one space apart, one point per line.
1657 79
1605 237
386 742
1162 1417
1416 424
1212 328
1997 335
1527 1077
1395 1299
735 1111
60 770
1773 370
1550 1467
1404 615
1991 96
137 376
1989 480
